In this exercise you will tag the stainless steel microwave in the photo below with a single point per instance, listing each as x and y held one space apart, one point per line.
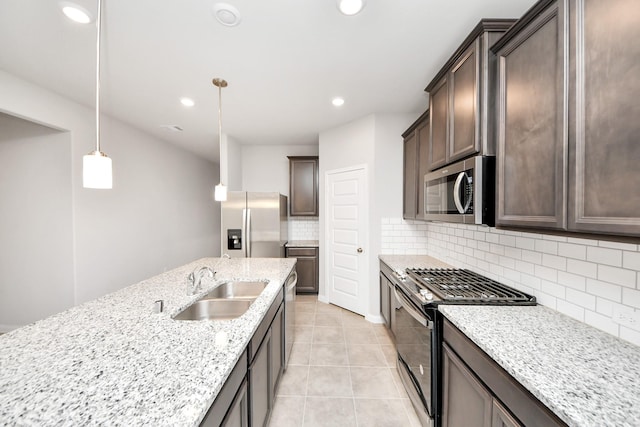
462 192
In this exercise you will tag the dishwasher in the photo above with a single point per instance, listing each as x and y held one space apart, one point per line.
289 315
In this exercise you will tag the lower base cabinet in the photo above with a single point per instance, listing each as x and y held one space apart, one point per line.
248 394
307 268
476 391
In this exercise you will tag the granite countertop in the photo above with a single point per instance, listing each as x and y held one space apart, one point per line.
585 376
113 361
302 244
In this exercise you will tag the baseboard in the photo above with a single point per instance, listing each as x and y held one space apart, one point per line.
374 318
323 298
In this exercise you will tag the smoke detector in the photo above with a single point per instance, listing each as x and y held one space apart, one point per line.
226 14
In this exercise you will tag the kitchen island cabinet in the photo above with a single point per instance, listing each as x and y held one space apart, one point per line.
115 361
567 162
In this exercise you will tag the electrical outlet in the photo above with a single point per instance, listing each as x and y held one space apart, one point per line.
627 317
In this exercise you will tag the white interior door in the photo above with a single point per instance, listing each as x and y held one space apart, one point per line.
346 234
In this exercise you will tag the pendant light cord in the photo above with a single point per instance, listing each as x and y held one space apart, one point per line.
98 31
220 121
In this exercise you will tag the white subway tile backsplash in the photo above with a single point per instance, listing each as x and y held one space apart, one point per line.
572 250
605 290
631 260
605 256
631 297
301 228
616 275
582 268
582 278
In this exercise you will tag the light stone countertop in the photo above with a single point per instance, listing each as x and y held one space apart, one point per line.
113 361
585 376
302 244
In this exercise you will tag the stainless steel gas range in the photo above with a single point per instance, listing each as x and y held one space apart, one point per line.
417 325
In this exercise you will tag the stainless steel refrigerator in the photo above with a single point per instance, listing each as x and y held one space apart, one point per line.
254 225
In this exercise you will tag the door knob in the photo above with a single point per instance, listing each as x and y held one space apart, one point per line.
359 250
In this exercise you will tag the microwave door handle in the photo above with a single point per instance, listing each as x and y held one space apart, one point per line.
456 193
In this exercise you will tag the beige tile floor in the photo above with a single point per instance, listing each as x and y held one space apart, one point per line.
341 372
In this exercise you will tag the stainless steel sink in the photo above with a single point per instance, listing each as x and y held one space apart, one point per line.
238 289
215 309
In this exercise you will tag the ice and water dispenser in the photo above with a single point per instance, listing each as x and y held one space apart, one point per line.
234 239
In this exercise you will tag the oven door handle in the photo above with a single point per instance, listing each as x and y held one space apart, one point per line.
420 318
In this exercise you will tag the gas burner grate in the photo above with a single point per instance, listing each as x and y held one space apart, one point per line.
466 287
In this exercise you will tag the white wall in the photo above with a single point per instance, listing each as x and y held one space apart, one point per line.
374 141
234 164
266 167
160 213
36 244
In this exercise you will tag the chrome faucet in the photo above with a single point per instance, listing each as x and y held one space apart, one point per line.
195 279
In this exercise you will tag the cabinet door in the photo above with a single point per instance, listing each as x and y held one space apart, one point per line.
303 186
532 137
501 417
238 415
410 171
465 400
277 351
385 301
439 114
422 132
464 130
307 269
604 94
260 384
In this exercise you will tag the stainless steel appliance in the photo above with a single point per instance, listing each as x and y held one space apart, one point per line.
461 192
289 315
417 326
254 225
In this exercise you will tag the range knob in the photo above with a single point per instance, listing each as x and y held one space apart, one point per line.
426 294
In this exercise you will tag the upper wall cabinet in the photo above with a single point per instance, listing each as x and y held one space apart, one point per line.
567 118
303 185
461 97
416 155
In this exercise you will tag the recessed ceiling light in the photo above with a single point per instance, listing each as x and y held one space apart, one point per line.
338 102
226 14
76 13
350 7
187 102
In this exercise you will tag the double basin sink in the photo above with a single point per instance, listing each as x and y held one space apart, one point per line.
227 301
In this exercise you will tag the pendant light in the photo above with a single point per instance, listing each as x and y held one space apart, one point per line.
96 166
220 193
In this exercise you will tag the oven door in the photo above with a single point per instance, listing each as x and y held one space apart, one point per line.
414 333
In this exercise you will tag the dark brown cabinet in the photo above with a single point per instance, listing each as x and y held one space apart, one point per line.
230 409
476 391
461 98
566 161
532 143
307 268
465 402
604 132
303 185
266 363
416 156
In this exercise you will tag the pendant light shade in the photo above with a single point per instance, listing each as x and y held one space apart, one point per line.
220 193
96 171
96 166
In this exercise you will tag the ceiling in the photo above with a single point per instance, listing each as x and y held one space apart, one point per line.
284 63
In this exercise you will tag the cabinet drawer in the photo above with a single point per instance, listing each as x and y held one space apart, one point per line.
294 252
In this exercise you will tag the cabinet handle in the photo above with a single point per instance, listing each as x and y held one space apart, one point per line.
359 250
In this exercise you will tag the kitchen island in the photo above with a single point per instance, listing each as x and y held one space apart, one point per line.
114 361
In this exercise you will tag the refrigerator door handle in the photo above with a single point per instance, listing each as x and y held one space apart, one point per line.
248 240
244 232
